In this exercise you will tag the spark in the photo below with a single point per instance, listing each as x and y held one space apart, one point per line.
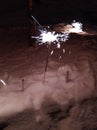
52 52
64 50
74 27
2 81
48 37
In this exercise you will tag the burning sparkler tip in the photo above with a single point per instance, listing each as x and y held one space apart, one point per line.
48 37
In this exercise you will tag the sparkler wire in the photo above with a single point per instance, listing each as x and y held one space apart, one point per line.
47 58
37 22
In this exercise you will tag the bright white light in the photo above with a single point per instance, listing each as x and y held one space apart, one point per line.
58 45
76 27
2 81
48 37
52 52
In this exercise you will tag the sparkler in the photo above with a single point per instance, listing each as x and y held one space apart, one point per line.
49 37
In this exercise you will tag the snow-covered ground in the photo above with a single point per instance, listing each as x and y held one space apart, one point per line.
70 78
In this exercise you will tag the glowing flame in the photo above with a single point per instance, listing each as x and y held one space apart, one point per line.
2 81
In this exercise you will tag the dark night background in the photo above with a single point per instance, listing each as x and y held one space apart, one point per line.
48 11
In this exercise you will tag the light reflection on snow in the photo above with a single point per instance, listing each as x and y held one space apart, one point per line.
48 37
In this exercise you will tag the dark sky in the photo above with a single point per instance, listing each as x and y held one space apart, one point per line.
91 4
50 11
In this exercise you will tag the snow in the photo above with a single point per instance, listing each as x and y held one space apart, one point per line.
67 80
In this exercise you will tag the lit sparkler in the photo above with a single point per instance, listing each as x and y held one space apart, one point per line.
2 81
49 37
